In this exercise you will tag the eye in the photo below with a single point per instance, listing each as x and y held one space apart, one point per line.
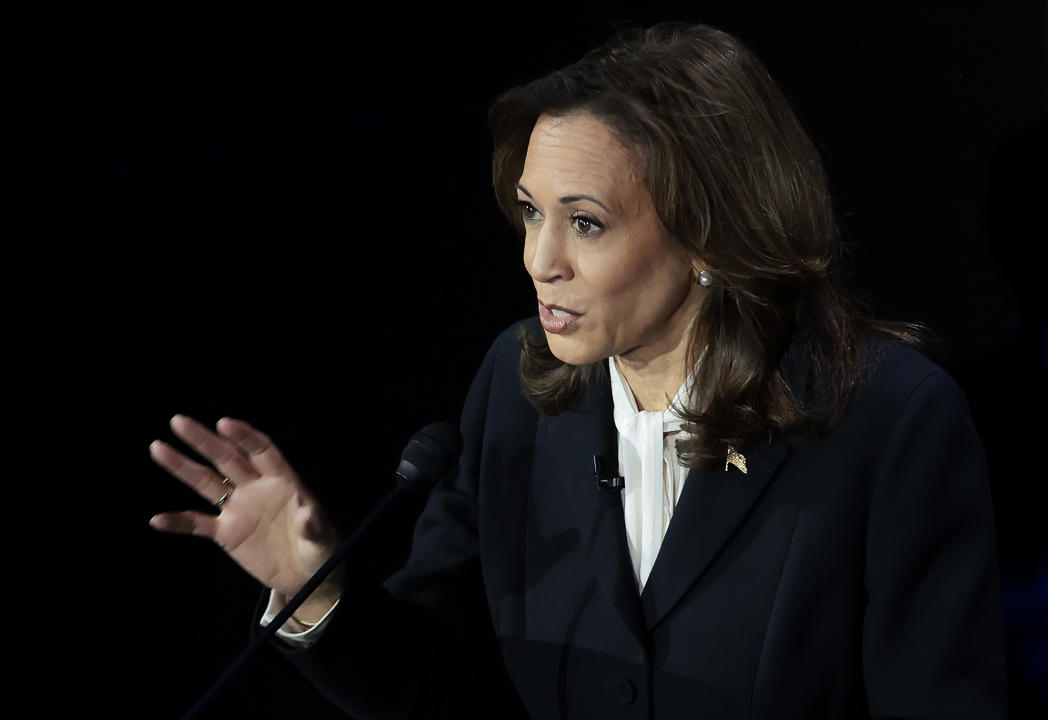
527 211
585 225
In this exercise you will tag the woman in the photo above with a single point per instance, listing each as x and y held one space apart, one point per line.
800 524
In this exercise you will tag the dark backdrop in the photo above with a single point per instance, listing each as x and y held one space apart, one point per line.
282 212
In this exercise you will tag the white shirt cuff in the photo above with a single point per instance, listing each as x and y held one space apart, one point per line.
293 632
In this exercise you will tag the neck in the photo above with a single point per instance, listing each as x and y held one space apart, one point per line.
655 378
655 369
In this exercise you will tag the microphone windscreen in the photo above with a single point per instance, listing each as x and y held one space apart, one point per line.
430 453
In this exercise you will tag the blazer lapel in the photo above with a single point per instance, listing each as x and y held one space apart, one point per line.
712 505
572 439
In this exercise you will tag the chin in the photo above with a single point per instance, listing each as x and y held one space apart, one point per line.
572 351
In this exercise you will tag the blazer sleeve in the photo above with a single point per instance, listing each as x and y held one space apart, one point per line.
933 641
421 644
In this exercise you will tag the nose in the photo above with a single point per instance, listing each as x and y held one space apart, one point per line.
546 255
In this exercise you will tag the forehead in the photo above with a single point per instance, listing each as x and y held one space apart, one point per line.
580 154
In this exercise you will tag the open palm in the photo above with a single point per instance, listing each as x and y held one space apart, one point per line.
269 523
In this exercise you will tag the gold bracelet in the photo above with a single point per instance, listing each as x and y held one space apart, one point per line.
305 624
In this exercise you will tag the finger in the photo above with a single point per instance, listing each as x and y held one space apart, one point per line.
260 450
188 522
201 478
216 449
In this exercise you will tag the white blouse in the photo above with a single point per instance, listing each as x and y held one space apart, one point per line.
648 462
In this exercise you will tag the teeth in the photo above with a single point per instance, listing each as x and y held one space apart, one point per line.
560 313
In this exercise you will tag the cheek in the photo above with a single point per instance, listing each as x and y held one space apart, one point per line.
609 279
626 284
641 294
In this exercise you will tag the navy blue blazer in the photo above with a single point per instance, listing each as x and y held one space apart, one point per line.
851 576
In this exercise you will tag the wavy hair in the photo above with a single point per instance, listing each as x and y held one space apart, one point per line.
737 182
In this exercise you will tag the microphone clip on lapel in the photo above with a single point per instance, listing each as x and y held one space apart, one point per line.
606 483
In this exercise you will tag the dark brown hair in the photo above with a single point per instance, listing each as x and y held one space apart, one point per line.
737 182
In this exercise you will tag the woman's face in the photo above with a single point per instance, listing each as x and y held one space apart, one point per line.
609 279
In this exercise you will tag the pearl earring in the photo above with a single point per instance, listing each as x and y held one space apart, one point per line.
704 279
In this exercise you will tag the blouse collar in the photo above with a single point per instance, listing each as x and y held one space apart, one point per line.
625 404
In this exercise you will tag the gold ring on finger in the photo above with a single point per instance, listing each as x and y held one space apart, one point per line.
232 486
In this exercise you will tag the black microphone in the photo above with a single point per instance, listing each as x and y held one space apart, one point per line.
430 453
605 482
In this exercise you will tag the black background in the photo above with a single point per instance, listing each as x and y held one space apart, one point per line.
282 212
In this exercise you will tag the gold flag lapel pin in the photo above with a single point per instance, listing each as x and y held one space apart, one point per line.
735 458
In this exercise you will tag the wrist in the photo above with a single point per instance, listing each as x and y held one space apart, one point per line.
320 602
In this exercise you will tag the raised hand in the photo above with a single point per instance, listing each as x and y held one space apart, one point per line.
269 522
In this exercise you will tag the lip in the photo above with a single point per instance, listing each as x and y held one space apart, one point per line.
559 307
553 324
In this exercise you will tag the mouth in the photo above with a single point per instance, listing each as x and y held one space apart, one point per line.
556 319
559 311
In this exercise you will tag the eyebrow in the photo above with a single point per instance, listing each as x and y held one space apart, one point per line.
567 198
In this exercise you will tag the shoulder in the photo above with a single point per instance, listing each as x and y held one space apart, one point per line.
901 383
497 382
496 412
503 355
895 372
507 342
